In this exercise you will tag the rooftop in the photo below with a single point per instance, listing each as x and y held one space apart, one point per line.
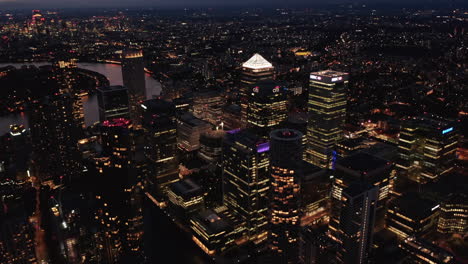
186 188
414 206
212 222
257 62
362 162
329 73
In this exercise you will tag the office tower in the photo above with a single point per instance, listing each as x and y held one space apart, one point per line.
427 148
207 105
133 74
254 70
18 150
327 110
186 198
246 182
424 252
212 232
453 218
231 118
355 216
113 102
189 129
411 214
66 77
55 134
159 124
315 195
363 167
120 189
211 146
117 141
285 157
266 107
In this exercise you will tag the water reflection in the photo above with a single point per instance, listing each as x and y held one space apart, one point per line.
111 71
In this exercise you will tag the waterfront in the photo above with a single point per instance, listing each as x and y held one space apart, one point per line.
111 71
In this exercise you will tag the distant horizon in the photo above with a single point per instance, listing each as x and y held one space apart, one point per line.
85 4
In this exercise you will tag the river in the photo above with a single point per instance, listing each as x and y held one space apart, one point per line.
113 72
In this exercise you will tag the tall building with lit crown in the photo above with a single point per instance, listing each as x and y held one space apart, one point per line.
453 218
245 164
356 215
119 206
112 102
327 111
266 107
159 124
133 74
285 157
254 70
427 148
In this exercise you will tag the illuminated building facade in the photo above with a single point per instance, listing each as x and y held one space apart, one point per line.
315 195
211 146
453 216
66 76
411 214
207 105
113 102
55 135
119 204
212 232
285 194
186 197
358 168
266 107
246 181
254 70
423 252
189 129
133 74
327 111
160 126
427 148
231 118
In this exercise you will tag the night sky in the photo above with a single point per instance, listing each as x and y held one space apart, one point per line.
193 3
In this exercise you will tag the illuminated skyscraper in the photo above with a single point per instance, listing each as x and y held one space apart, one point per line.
246 181
427 148
285 157
254 70
112 102
356 215
133 74
266 107
55 134
360 168
160 127
65 74
327 110
123 213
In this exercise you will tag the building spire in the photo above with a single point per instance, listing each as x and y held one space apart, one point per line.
257 62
